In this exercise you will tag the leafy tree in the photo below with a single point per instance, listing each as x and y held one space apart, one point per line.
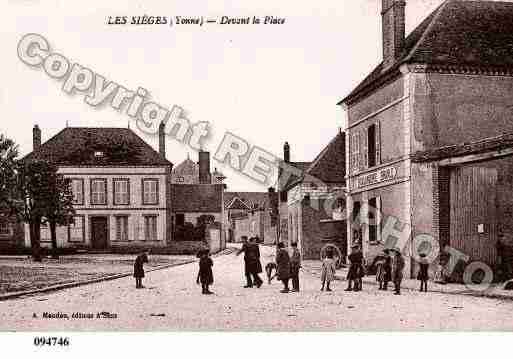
8 155
46 197
59 204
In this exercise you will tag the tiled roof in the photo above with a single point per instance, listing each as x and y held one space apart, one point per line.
328 166
77 146
197 197
250 199
463 33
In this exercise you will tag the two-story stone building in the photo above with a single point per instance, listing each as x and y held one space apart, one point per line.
314 201
121 188
447 85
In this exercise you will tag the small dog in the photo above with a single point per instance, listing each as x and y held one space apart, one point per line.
269 271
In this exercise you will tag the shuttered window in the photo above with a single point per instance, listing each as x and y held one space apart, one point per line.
99 192
150 191
150 228
122 228
121 191
76 229
77 187
5 228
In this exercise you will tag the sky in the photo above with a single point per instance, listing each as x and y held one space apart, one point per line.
264 83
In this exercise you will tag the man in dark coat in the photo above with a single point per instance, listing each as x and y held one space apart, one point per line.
283 266
356 270
252 265
205 274
139 268
397 270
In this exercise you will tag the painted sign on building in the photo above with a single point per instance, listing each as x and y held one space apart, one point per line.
382 175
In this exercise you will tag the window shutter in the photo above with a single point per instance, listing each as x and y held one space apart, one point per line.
135 222
364 148
351 151
378 142
118 228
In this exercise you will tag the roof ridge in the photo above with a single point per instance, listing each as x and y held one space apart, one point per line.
428 28
322 153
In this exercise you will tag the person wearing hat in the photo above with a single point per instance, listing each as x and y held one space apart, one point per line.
139 268
356 270
397 269
283 266
205 275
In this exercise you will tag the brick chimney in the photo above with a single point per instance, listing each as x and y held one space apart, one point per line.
162 139
286 152
36 138
204 167
393 27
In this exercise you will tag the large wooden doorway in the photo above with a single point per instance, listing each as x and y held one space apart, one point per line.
473 212
99 232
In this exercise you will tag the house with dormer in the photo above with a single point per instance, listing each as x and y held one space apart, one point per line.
121 188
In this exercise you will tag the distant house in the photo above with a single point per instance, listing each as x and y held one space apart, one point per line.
313 201
249 214
121 188
124 195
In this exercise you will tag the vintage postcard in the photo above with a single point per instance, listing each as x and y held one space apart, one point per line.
256 166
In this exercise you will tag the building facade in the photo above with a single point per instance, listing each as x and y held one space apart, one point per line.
448 83
125 194
315 200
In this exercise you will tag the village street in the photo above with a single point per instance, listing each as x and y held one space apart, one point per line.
172 301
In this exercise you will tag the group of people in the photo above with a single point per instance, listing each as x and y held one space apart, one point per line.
390 266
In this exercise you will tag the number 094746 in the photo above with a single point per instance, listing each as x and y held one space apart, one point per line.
51 341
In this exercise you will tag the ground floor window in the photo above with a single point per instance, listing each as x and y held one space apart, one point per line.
5 229
150 228
121 228
76 229
45 233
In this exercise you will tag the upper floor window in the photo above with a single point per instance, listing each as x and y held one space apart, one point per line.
150 189
77 187
371 145
99 191
355 152
121 191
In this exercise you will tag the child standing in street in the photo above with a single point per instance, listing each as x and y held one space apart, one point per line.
205 274
423 275
139 268
328 270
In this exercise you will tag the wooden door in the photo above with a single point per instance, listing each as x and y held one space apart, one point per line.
473 228
99 233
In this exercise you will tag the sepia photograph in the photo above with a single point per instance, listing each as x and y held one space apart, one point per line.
255 167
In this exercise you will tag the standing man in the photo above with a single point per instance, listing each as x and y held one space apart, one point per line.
356 270
244 249
397 270
283 266
252 265
295 265
255 266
